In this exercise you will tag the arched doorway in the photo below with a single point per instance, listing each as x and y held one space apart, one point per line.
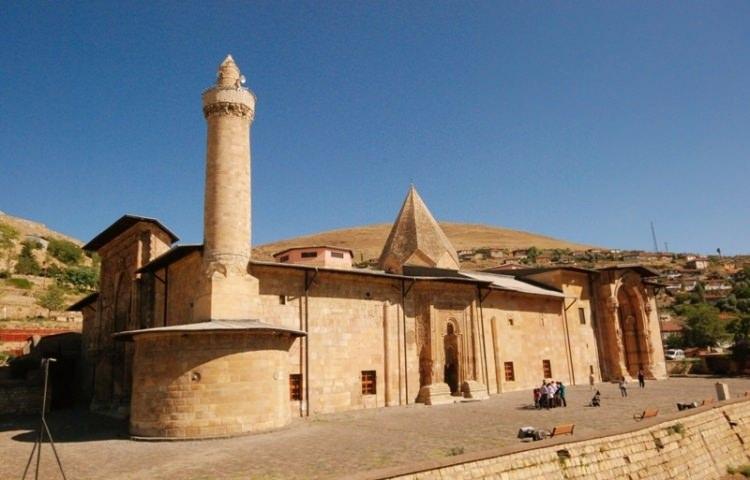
632 328
451 369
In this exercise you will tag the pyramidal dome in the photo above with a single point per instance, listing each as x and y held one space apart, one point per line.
417 239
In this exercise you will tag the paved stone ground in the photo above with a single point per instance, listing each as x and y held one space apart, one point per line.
334 445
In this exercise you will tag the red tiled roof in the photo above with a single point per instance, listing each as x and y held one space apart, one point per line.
671 326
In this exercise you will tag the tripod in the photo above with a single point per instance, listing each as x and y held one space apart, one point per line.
43 427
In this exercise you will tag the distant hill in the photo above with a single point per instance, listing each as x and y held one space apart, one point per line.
367 242
19 291
29 227
19 299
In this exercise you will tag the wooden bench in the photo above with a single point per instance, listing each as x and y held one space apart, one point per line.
564 429
707 401
648 413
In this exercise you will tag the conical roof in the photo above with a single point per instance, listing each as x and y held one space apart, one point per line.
229 73
417 239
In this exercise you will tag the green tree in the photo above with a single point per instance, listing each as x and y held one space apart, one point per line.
531 254
739 328
674 341
702 326
741 290
27 264
67 252
699 294
8 236
53 298
81 278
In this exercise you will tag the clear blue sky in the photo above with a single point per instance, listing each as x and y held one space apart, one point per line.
579 120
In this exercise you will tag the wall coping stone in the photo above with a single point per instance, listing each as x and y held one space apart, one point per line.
421 467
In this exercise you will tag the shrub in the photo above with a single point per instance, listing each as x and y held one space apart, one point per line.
677 428
718 364
27 264
453 451
743 470
67 252
8 235
20 283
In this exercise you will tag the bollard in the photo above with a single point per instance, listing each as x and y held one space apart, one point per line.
722 391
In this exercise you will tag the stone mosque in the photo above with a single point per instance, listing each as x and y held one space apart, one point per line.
202 341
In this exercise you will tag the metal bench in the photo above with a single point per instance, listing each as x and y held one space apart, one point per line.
648 413
564 429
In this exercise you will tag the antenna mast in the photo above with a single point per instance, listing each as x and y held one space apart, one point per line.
653 236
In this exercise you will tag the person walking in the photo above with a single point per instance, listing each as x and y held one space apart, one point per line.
561 394
641 379
623 387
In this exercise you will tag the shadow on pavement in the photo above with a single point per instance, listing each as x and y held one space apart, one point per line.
72 425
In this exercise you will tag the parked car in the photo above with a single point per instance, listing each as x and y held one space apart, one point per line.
674 354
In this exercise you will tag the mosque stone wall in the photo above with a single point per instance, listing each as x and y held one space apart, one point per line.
210 384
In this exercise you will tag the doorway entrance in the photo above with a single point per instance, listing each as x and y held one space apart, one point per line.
634 344
450 342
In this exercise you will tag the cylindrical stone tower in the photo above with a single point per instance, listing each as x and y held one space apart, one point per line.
229 291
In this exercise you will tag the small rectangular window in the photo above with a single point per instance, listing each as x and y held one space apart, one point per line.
510 321
295 386
337 254
309 254
369 382
582 315
282 299
284 259
510 375
547 367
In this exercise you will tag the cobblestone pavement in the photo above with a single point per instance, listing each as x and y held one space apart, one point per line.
333 445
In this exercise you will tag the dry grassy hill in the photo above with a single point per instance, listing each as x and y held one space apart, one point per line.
28 227
19 300
367 242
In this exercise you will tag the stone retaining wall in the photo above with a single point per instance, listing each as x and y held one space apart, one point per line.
697 444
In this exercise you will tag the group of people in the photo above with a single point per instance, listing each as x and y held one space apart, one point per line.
549 395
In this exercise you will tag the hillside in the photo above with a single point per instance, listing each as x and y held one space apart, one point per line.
367 241
36 260
28 227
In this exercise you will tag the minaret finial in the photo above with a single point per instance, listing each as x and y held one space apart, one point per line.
229 73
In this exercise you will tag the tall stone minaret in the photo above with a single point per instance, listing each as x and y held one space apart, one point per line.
227 290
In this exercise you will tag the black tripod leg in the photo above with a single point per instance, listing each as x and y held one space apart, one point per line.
54 450
28 464
39 452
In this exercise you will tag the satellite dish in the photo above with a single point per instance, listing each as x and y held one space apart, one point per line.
242 79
